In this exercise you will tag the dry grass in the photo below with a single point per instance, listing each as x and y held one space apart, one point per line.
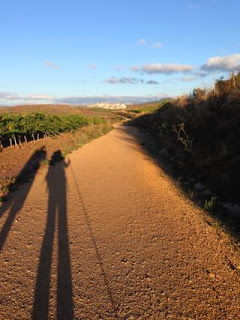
206 151
46 108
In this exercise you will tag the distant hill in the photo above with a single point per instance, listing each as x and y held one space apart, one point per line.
46 108
148 106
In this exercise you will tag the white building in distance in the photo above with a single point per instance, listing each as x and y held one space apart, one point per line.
105 105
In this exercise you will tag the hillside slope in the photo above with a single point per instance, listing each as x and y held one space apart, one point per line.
46 108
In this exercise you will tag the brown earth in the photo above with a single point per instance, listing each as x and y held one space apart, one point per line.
12 159
106 234
61 110
46 108
25 159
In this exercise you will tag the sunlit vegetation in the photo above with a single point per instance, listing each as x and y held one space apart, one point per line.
201 134
198 136
18 128
148 107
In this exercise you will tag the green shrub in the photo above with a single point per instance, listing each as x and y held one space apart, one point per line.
209 204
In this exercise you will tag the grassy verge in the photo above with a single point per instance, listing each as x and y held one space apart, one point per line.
148 107
86 135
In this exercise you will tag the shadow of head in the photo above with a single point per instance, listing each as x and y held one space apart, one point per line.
57 156
32 165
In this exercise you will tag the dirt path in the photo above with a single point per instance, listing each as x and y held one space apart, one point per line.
106 235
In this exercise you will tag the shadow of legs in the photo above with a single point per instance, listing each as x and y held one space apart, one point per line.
64 286
41 297
56 181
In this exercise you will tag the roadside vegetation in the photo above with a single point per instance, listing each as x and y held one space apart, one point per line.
16 128
139 109
198 137
148 107
24 135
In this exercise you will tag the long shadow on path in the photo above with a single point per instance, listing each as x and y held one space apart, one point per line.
17 200
57 216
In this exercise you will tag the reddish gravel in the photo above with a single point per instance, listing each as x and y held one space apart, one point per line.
105 234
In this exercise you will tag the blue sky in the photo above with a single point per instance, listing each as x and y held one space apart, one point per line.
74 50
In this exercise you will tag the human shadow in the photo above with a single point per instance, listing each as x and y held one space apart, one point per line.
16 201
57 217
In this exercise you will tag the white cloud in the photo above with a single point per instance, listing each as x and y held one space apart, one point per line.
38 97
226 63
142 42
200 74
157 45
188 79
162 68
6 97
123 80
112 99
130 80
152 82
112 80
92 66
51 65
135 68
